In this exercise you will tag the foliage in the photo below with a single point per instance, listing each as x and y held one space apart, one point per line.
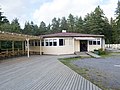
97 23
93 23
15 26
117 25
100 51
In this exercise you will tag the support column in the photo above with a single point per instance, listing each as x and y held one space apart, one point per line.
23 47
28 48
87 45
40 48
73 45
13 48
0 47
103 43
0 44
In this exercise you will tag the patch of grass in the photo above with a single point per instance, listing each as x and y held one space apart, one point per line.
109 54
114 53
106 55
70 58
67 62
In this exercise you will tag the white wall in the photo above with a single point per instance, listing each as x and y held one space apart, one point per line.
71 46
93 47
68 48
76 46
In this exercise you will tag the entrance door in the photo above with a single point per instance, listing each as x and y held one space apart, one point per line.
83 45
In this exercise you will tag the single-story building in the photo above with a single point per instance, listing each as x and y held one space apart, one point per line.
67 43
54 44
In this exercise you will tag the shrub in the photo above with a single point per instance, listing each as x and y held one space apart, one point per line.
101 51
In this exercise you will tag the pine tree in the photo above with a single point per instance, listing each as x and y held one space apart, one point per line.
42 28
79 23
63 24
71 23
55 25
28 28
15 26
117 13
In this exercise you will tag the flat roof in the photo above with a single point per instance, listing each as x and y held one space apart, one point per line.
16 37
65 34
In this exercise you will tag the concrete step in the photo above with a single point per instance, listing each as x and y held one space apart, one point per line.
82 54
93 55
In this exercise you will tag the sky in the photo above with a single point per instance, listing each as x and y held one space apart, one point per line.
46 10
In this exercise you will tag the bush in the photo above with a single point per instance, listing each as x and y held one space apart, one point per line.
100 52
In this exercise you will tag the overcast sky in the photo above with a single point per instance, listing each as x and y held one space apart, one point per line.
46 10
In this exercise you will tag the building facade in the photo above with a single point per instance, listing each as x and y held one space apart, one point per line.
67 43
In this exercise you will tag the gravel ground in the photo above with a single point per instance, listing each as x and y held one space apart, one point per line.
104 70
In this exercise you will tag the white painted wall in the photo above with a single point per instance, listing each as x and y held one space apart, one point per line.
76 46
68 48
71 46
93 47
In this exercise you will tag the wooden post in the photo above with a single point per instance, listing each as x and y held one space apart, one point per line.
13 47
0 44
87 45
0 47
28 48
23 47
73 45
40 48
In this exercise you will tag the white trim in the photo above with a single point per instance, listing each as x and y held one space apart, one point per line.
28 48
88 45
40 48
84 38
73 45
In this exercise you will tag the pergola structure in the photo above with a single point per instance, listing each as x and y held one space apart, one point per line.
6 36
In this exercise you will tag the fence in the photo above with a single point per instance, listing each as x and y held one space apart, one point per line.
113 46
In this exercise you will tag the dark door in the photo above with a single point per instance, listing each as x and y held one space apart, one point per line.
83 45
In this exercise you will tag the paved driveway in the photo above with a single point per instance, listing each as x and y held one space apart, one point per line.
40 73
107 69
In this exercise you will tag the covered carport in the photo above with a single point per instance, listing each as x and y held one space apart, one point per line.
14 37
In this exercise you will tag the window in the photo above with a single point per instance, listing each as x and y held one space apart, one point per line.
61 42
36 43
98 42
42 43
90 42
94 42
54 42
31 43
46 43
50 42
